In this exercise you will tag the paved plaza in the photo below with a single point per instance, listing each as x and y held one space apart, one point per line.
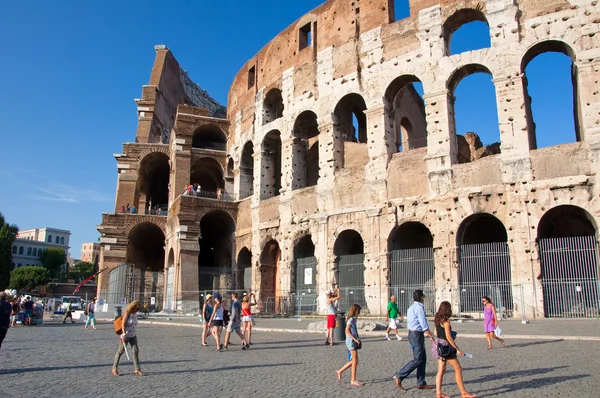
64 360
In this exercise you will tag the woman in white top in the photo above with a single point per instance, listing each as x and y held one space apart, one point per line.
216 320
129 335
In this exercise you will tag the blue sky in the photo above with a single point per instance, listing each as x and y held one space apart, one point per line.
71 70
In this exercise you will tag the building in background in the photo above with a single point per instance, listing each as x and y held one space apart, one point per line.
89 251
30 243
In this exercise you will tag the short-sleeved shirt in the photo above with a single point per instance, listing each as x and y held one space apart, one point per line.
5 310
236 309
392 310
28 305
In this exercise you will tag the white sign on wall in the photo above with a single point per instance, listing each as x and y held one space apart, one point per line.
308 276
152 300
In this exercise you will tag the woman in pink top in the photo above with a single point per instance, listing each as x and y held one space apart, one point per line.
490 321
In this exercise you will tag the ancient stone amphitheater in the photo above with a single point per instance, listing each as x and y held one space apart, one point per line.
329 166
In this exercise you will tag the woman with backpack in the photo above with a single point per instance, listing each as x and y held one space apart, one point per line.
448 353
89 311
129 335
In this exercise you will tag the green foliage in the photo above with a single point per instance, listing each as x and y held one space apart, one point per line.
53 260
8 233
81 270
28 277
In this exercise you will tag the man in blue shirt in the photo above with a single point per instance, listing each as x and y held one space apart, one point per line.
417 326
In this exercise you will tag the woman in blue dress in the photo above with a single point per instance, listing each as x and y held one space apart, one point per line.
353 343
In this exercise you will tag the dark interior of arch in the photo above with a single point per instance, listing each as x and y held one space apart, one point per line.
349 106
171 260
410 235
145 247
304 248
154 181
348 242
244 269
244 259
216 232
481 228
312 165
272 163
565 222
272 106
306 125
270 254
230 167
247 171
209 137
459 19
208 173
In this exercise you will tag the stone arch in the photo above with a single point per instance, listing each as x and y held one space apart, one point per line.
209 136
132 222
350 131
272 106
244 269
270 278
208 173
154 149
216 242
247 170
305 158
459 19
469 147
566 221
481 228
540 48
153 182
271 165
349 260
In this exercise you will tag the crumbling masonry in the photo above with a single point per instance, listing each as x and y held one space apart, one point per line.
303 181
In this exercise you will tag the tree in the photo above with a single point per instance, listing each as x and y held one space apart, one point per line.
82 270
53 260
28 277
8 233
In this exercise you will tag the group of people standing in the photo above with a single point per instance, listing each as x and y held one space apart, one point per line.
444 346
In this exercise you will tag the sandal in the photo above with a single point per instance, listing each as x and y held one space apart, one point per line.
468 395
339 375
502 343
139 373
115 372
217 350
441 395
356 383
204 345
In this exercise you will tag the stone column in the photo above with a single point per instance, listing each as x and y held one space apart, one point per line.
441 141
324 272
329 158
126 189
188 276
379 155
288 166
180 164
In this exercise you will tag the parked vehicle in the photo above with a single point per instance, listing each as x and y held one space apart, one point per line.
76 303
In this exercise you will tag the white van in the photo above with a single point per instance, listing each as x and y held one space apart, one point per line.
76 303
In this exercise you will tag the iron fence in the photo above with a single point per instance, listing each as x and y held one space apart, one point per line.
351 281
412 269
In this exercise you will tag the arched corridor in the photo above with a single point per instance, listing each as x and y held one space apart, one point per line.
215 270
153 183
349 258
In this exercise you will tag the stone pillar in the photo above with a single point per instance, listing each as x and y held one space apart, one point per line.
188 276
324 272
180 170
374 292
126 189
441 141
327 165
516 138
289 166
376 169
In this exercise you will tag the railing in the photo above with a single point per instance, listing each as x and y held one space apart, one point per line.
206 194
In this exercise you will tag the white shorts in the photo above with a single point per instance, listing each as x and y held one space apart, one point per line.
246 319
392 324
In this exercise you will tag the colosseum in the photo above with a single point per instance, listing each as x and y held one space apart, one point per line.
328 166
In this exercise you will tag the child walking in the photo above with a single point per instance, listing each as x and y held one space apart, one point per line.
353 343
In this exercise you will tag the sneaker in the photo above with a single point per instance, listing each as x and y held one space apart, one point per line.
399 338
388 338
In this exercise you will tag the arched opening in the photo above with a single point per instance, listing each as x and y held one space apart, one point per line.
410 248
247 171
305 155
14 250
49 238
146 255
29 251
62 241
304 276
230 167
466 30
477 133
569 263
35 251
271 165
272 297
244 270
215 270
208 174
552 110
209 136
155 136
153 183
272 106
169 299
484 264
350 130
406 113
349 258
21 249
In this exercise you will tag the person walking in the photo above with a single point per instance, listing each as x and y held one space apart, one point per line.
418 328
28 306
5 312
247 321
129 335
390 318
89 311
445 337
15 311
490 322
68 314
216 320
207 310
353 344
332 297
235 323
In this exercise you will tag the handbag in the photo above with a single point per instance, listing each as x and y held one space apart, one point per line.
498 331
358 346
445 351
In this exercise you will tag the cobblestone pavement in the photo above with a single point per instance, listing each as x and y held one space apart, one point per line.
64 360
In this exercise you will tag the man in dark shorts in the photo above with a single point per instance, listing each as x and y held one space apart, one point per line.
28 310
5 311
235 322
68 314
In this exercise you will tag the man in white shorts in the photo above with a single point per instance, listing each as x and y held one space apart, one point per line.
390 318
235 322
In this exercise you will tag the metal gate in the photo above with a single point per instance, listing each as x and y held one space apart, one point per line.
484 270
413 269
352 281
215 278
169 302
570 274
117 284
306 285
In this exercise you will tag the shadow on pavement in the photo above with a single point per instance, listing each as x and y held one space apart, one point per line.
516 373
100 365
237 367
529 384
508 345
